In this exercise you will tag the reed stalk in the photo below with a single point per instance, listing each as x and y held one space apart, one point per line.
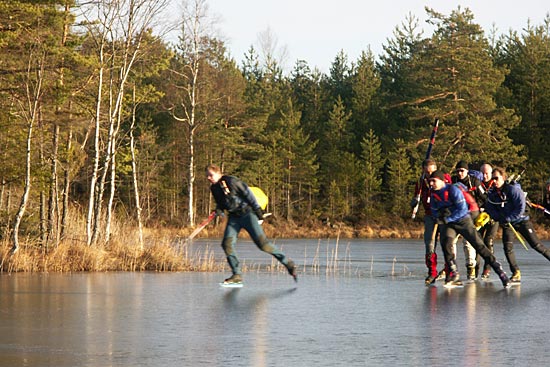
163 251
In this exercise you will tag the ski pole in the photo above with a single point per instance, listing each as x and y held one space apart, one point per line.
537 206
515 178
520 239
261 221
421 182
201 226
434 233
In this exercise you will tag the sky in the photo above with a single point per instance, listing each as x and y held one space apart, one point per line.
315 31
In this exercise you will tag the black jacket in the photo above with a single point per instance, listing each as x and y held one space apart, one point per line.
475 188
233 195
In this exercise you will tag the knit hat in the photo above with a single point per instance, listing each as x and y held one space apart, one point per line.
462 165
438 174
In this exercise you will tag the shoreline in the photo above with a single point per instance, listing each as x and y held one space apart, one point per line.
165 249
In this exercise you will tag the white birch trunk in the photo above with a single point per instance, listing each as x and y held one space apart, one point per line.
115 21
66 188
33 98
52 221
95 170
193 22
26 191
135 173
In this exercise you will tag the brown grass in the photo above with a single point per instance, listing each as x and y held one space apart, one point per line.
165 248
162 252
74 256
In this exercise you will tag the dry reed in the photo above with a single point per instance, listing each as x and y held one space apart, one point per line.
166 250
165 254
122 253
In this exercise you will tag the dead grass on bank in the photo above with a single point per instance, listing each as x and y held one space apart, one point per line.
166 250
275 229
76 257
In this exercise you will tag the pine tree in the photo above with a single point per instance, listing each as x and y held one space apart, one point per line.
397 68
335 140
400 178
338 82
364 84
372 163
289 156
308 97
527 56
453 77
39 59
337 165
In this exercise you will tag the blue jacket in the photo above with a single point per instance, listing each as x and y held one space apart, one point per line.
450 199
507 204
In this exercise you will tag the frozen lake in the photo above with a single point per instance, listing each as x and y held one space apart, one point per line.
357 303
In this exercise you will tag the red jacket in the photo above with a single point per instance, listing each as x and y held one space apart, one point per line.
426 193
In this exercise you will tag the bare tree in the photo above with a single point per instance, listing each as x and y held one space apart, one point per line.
274 56
134 169
193 42
29 106
120 27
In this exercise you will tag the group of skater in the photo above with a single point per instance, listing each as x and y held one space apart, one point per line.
465 206
459 206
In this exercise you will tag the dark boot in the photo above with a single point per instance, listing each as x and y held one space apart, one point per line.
442 275
501 274
291 267
486 266
453 278
486 274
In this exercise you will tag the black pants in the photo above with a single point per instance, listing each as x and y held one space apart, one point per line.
488 232
526 230
465 228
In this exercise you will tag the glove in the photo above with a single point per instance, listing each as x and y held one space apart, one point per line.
219 213
414 203
442 216
259 213
441 221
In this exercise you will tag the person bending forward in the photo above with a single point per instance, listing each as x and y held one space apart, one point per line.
450 210
233 195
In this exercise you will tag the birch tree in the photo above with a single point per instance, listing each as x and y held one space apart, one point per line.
27 37
28 109
195 25
118 29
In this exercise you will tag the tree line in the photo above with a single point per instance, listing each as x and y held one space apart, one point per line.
103 120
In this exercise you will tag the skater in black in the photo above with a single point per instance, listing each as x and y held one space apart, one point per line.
490 229
506 204
449 208
234 196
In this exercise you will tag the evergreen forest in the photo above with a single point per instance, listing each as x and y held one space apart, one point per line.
104 121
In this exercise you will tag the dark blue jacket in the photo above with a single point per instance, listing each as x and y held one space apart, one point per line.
507 204
449 199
